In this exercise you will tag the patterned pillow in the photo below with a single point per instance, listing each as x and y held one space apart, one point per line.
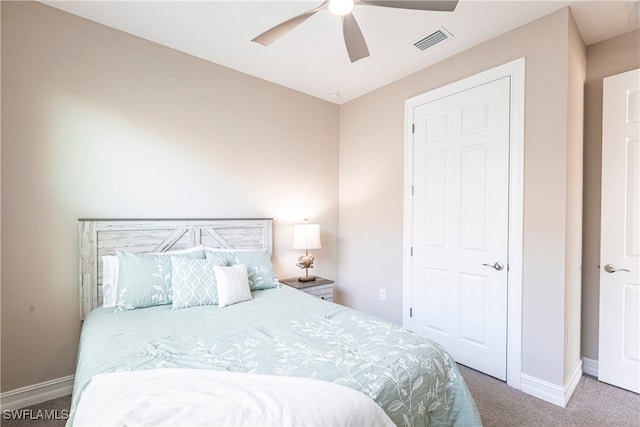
193 282
259 268
111 267
144 280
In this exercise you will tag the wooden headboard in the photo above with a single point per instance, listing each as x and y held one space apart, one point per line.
100 237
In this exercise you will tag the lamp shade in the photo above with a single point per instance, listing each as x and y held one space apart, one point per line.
306 236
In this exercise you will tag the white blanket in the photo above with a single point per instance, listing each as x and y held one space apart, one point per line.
201 397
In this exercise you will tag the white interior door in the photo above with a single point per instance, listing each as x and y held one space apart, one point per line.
619 337
460 224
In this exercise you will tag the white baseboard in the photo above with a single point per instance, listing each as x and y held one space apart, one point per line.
590 366
37 393
552 393
572 383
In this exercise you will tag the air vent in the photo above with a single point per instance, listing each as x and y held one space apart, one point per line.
430 40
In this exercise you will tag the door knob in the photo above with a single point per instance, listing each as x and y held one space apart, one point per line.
610 268
498 266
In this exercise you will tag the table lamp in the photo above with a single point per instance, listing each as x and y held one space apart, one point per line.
306 236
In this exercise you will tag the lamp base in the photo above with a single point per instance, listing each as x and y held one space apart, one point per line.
306 278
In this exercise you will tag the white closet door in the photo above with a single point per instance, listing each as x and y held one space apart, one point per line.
460 224
619 337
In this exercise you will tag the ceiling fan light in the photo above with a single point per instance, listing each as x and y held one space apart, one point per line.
341 7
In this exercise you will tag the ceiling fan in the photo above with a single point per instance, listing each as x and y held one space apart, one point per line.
353 38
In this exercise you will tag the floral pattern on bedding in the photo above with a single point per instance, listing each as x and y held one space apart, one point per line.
408 376
412 378
387 370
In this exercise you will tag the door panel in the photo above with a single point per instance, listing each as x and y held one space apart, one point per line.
435 189
460 223
473 302
473 197
434 307
619 336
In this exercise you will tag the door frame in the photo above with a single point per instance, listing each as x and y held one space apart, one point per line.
516 71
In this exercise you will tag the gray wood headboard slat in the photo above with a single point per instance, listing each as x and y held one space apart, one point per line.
99 237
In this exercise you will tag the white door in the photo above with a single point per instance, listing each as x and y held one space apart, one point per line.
619 337
460 224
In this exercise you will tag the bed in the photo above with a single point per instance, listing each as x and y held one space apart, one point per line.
277 356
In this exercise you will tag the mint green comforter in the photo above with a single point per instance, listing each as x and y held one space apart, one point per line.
285 332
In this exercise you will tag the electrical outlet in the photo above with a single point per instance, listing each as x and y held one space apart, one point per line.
383 294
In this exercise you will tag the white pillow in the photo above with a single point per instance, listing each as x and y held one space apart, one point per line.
233 284
111 268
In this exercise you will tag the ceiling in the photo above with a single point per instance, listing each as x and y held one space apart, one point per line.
312 58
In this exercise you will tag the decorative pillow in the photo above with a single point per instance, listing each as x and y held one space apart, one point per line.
193 282
233 284
144 280
109 280
259 268
111 268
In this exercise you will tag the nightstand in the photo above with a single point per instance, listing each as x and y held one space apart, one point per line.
321 288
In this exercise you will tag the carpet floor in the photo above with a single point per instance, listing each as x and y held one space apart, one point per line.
593 404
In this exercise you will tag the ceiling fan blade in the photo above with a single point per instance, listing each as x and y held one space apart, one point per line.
273 34
353 38
433 5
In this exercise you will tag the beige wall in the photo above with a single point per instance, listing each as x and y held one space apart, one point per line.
98 123
575 115
613 56
371 185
